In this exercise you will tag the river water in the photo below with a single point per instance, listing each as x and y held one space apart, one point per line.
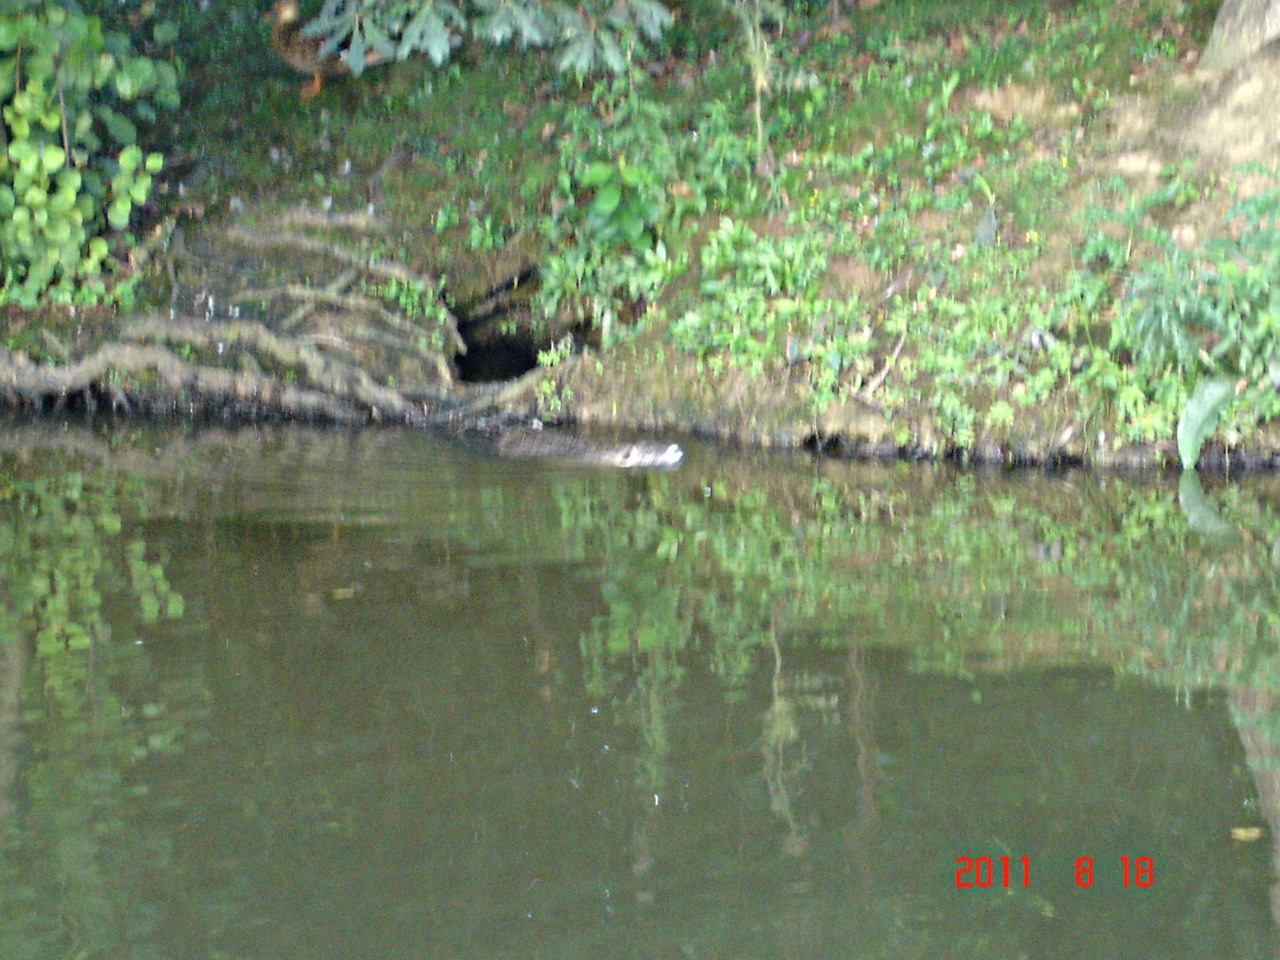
317 695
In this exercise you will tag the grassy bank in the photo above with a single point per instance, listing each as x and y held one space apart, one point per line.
929 227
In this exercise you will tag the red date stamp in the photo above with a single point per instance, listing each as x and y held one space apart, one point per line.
985 872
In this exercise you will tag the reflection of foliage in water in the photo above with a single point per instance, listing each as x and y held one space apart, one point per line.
60 550
964 576
1045 570
64 561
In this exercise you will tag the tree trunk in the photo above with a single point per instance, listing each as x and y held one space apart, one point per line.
1242 27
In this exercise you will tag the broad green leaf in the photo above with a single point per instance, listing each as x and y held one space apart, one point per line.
118 212
577 55
610 51
140 187
607 200
355 54
120 128
52 158
68 181
598 174
166 93
130 159
1200 417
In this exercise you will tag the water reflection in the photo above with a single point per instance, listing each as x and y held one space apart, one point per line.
312 694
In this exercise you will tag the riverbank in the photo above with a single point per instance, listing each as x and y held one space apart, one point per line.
1015 235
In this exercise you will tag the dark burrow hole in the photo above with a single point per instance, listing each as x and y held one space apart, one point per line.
496 357
498 330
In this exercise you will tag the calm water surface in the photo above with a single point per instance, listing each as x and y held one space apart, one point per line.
305 694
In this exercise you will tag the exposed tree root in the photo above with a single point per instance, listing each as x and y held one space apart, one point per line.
386 269
309 298
358 361
33 382
357 221
334 378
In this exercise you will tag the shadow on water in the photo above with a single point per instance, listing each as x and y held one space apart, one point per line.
313 694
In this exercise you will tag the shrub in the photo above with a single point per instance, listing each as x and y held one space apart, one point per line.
71 168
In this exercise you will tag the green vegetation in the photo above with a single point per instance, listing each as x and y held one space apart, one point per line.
910 209
72 168
1212 316
587 38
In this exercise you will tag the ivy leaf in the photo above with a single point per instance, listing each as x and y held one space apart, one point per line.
119 127
598 174
130 159
118 212
607 200
1200 417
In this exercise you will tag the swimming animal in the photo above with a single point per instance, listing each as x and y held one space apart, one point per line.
550 444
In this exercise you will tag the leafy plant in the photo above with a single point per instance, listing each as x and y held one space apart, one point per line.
424 306
71 168
612 206
625 208
584 285
1213 317
553 394
484 233
754 292
588 37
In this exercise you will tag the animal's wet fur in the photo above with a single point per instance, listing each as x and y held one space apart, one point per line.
530 440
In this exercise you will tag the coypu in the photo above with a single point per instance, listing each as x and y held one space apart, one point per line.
535 442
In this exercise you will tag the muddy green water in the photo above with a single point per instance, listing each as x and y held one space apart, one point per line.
312 695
